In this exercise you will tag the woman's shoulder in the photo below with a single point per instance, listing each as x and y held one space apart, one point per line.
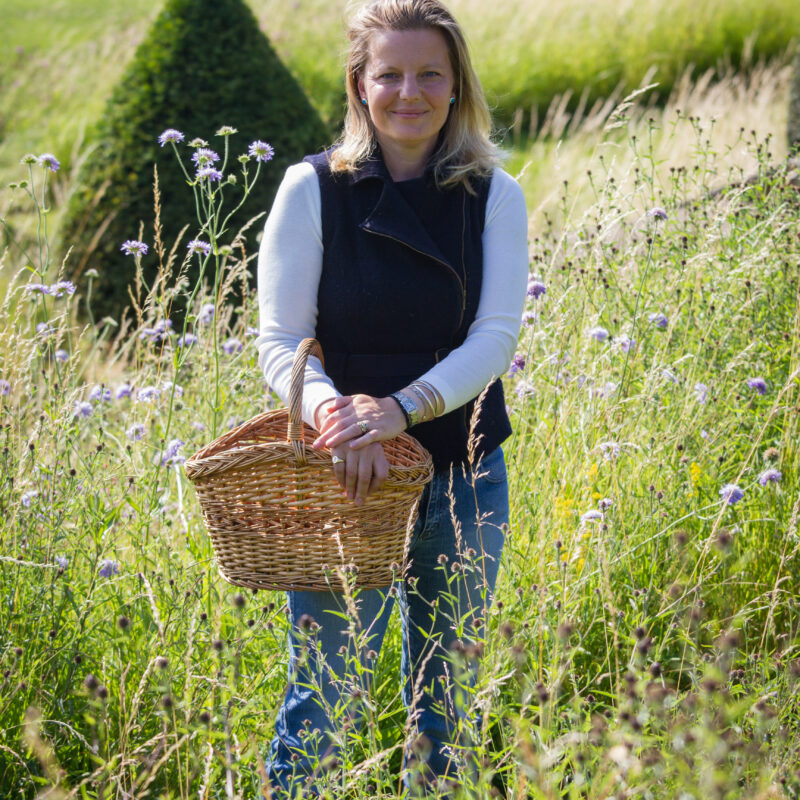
504 189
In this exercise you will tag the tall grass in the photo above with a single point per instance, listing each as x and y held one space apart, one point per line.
644 640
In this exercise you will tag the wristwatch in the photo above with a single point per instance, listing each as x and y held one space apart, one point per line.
409 408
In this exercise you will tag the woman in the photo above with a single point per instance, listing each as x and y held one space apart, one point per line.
403 251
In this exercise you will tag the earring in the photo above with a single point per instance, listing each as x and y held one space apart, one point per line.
364 100
452 100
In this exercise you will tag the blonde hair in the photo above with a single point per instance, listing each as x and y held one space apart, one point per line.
466 149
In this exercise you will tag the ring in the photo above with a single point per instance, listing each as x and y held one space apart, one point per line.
337 460
362 423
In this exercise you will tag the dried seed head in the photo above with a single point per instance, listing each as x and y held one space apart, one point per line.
102 692
90 682
123 623
218 644
239 600
565 630
161 662
655 669
204 717
305 622
166 701
639 632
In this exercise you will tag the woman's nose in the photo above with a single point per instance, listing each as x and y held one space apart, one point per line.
409 86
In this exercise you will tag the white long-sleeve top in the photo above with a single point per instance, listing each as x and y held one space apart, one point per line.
289 269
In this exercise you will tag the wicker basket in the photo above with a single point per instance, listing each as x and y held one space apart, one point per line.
278 518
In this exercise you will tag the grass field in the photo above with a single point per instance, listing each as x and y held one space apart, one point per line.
644 641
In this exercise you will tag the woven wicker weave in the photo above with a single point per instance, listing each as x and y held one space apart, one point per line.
278 518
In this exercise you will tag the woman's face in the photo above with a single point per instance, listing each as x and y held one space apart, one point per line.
407 83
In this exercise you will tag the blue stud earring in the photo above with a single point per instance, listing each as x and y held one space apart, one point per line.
452 100
364 100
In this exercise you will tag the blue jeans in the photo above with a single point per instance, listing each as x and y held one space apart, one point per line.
454 554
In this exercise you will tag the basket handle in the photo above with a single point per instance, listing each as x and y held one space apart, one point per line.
308 347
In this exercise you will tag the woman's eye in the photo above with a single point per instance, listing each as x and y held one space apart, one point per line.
430 74
386 76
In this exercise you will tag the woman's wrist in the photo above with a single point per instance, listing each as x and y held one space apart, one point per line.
318 412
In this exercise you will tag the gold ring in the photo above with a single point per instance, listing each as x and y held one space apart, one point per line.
362 423
337 460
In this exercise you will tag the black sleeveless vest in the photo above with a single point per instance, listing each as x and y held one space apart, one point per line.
401 281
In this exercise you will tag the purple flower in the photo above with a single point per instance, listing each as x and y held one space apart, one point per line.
625 342
198 246
210 173
108 567
517 364
701 393
61 355
171 452
261 151
598 333
657 213
187 340
61 288
704 434
758 385
166 387
226 130
5 387
170 135
771 475
45 329
48 160
27 497
148 394
232 345
592 515
232 423
659 320
525 389
605 504
731 493
251 331
528 318
157 333
62 561
669 375
536 288
198 426
100 394
206 314
133 247
135 432
204 157
123 390
30 288
82 409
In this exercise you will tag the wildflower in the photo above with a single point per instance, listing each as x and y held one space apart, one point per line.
5 387
771 454
170 454
204 157
701 393
198 142
226 130
592 515
61 288
170 135
198 246
232 345
187 340
123 390
704 434
625 342
731 493
108 568
45 329
536 288
30 288
133 247
157 333
82 409
198 426
669 375
135 432
261 151
598 333
48 160
206 314
210 173
605 503
528 318
62 561
657 213
100 394
147 394
27 497
166 386
758 385
232 423
28 159
525 389
659 320
517 364
771 475
610 450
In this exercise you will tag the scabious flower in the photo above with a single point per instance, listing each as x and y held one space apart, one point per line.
517 364
61 288
61 355
170 454
30 288
669 375
198 426
100 394
158 332
226 130
108 567
758 385
45 329
5 387
770 475
204 157
251 331
82 409
261 151
701 393
198 246
232 345
148 394
625 342
605 504
731 493
187 340
528 318
593 515
133 247
62 561
135 432
536 288
659 320
210 173
525 389
166 387
27 497
170 135
123 390
598 333
48 160
657 213
206 314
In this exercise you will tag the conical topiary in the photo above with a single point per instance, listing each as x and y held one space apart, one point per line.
794 104
204 64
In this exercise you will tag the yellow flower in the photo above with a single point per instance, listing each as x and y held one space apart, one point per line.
695 471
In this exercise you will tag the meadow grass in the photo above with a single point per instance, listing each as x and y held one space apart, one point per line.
644 640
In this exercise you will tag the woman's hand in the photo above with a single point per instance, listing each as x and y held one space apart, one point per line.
359 420
360 472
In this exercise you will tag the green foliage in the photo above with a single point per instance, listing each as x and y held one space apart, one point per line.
204 64
794 104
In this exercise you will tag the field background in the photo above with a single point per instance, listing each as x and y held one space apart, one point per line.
651 651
